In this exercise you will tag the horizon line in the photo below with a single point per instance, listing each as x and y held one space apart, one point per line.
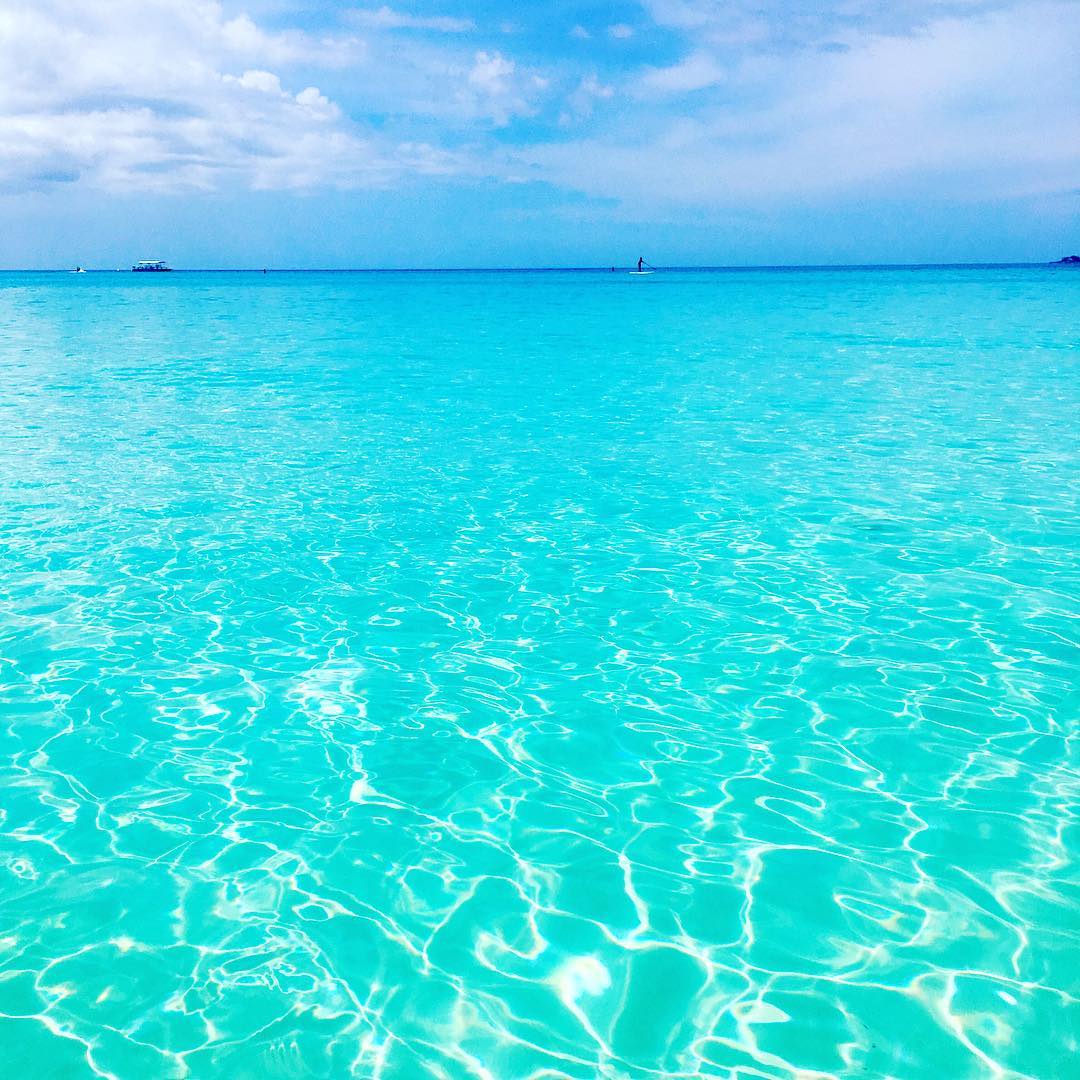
604 268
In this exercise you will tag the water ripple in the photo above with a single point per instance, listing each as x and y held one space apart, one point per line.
394 686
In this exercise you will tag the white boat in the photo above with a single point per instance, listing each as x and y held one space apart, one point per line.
151 266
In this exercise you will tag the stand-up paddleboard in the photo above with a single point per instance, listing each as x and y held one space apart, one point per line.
641 273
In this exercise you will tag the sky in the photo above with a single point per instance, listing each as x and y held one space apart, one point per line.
570 133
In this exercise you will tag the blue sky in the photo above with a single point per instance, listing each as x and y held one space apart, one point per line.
483 132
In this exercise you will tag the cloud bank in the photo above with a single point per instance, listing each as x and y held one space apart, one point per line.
688 103
171 94
982 106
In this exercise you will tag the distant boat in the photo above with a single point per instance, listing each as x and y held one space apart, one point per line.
151 266
78 270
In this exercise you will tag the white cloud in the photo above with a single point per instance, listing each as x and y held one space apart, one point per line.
774 24
581 102
620 31
310 98
385 18
491 73
497 89
695 72
595 88
264 81
974 108
169 94
161 94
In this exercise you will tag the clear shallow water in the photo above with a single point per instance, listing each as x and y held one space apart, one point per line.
540 675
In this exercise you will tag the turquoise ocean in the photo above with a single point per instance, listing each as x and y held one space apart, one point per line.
536 675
